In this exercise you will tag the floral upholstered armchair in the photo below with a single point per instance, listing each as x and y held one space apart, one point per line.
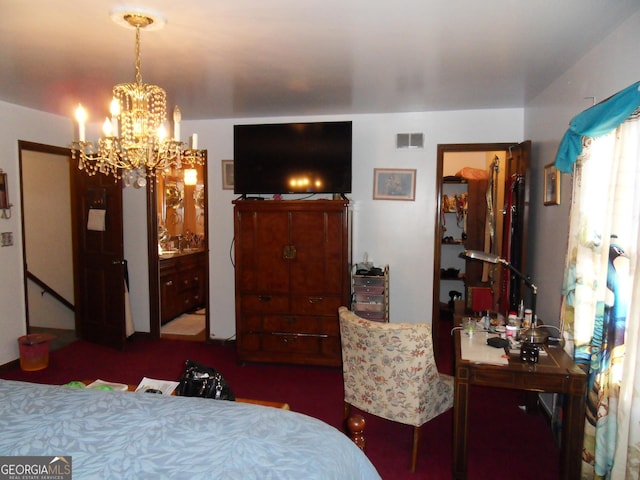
389 370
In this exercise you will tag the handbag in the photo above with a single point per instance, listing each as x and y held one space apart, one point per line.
198 380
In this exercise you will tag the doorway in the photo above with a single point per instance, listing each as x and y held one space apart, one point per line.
482 204
45 189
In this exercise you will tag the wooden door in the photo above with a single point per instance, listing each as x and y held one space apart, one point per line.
476 224
261 239
516 213
318 239
99 259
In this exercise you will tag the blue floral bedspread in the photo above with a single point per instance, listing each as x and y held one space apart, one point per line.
128 435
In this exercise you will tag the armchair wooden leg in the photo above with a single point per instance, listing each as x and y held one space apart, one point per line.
414 452
355 425
347 410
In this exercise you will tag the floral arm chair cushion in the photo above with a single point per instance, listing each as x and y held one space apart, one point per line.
389 370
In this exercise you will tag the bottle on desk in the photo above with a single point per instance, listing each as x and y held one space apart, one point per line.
520 313
486 320
512 325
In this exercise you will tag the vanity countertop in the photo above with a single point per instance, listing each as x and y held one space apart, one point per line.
177 253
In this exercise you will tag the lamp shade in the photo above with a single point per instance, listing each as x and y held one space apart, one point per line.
482 256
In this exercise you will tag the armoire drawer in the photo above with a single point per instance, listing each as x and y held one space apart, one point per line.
265 303
291 324
316 304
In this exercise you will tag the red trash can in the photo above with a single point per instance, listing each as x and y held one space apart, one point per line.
34 351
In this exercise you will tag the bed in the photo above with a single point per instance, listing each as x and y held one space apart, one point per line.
111 434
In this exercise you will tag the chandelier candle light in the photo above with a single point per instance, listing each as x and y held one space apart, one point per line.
135 139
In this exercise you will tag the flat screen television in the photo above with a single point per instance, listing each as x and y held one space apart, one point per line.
292 158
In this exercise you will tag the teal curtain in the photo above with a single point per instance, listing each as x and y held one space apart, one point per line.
595 122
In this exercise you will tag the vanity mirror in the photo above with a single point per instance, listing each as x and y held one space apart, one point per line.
178 259
181 215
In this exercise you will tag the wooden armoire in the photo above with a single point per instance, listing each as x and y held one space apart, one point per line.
291 275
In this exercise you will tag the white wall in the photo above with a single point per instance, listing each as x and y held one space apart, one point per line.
19 124
608 68
397 233
393 232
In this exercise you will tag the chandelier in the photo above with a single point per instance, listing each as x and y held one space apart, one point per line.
135 142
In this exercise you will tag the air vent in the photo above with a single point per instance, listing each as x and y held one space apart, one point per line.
409 140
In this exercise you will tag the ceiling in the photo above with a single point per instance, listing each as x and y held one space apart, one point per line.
252 58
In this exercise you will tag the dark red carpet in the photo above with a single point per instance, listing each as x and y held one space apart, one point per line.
504 442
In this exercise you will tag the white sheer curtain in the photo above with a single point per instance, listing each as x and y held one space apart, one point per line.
601 307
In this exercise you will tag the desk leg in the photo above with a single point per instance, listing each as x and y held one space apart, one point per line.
460 406
573 432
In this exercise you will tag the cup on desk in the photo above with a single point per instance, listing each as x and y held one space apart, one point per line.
468 325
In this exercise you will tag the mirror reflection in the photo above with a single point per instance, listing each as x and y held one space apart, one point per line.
182 254
181 212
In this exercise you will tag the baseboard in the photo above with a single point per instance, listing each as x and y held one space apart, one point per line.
228 342
10 366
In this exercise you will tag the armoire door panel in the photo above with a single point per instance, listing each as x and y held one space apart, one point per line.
318 267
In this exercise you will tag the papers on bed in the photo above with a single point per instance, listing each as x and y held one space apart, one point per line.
165 387
474 348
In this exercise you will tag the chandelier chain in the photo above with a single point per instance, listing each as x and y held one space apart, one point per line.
137 53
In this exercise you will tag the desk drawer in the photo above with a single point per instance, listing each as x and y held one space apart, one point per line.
531 381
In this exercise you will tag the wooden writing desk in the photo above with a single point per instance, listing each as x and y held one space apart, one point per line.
555 372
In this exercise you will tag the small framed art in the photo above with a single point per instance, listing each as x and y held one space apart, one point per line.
227 174
4 196
394 184
551 185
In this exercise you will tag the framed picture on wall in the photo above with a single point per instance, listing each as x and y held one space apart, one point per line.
4 196
551 185
394 184
227 174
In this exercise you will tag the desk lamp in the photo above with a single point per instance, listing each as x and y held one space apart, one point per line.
532 335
